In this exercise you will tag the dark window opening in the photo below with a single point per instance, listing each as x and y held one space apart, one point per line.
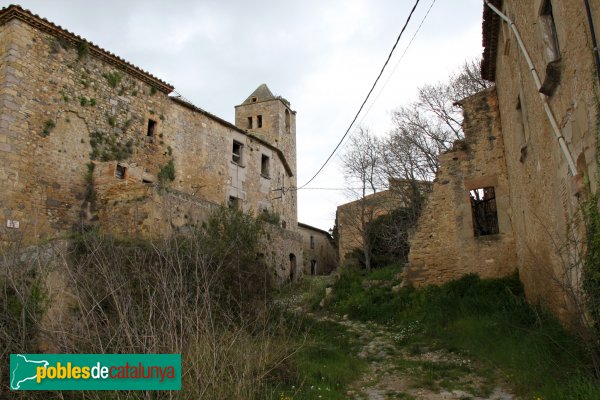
259 121
249 122
283 224
551 49
287 121
254 99
234 203
313 267
151 128
236 153
120 172
264 166
292 267
484 212
312 242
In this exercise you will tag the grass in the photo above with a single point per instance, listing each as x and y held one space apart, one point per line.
324 366
485 320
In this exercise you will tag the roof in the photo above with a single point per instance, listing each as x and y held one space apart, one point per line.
16 12
263 93
312 228
279 153
491 30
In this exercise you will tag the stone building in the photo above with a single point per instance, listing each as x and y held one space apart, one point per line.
86 136
320 255
508 197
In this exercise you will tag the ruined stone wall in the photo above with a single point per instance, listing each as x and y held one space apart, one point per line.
64 110
321 251
444 246
542 190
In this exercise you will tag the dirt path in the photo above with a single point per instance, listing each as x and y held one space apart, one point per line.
400 371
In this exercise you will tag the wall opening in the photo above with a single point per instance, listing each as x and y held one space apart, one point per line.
313 267
287 121
549 35
292 267
237 152
254 99
312 242
233 203
120 171
249 122
259 121
264 166
151 128
484 212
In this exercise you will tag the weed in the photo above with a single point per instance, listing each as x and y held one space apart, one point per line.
83 101
113 78
153 91
83 49
48 126
167 172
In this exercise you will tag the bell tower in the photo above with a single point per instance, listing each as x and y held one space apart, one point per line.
271 119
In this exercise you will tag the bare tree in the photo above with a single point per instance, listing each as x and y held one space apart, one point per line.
364 178
430 125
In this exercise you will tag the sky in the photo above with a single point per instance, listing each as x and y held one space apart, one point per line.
321 55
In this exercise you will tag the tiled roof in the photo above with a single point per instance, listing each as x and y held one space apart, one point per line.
491 30
15 11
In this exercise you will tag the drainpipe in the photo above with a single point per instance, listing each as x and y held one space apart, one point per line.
561 140
593 32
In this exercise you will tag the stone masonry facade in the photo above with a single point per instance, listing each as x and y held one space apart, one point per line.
320 254
511 147
86 137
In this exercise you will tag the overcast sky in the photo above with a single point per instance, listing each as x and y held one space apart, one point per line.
322 55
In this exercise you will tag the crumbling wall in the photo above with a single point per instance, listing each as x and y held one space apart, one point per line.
445 246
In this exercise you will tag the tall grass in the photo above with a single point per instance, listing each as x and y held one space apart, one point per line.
489 320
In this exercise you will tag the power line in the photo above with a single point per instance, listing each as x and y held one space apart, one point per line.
368 95
398 62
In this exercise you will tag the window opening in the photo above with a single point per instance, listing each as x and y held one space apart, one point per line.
249 122
234 203
264 166
484 212
151 128
236 152
287 121
259 121
120 171
312 242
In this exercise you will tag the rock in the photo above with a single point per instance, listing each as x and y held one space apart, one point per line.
396 289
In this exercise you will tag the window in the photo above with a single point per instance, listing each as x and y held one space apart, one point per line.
236 154
151 128
312 242
234 203
483 209
264 166
287 121
551 49
259 121
249 122
120 171
254 99
549 35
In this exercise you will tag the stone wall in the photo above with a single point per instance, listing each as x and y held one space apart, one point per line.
543 192
444 246
319 253
65 108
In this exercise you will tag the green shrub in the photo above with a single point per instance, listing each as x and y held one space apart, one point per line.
167 172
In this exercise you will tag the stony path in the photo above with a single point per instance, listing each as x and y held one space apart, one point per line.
397 371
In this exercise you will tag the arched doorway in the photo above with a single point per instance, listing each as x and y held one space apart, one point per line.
313 267
292 267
